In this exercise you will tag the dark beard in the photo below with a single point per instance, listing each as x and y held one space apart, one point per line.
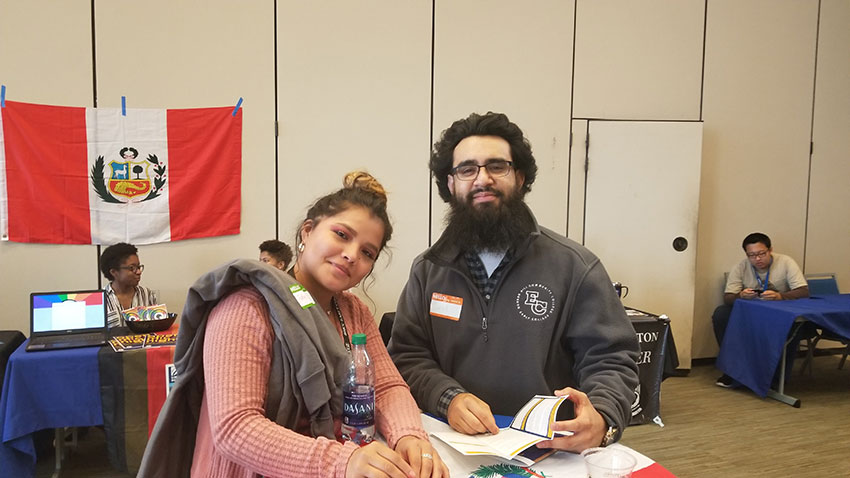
489 228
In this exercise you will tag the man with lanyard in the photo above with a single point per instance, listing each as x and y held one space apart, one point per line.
500 309
763 275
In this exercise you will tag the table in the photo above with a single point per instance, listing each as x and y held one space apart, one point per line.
67 388
758 331
559 464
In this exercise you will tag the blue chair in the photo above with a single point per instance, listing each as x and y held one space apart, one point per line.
824 284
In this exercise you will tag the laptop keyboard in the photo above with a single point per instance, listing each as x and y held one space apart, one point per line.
74 339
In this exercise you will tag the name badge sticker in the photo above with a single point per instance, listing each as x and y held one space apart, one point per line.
302 296
446 306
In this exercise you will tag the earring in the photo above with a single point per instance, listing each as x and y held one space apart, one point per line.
301 247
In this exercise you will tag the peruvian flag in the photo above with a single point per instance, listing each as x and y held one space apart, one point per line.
95 176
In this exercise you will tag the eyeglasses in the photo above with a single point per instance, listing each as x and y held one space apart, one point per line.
134 268
759 255
496 168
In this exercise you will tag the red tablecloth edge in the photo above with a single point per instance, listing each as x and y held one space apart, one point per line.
653 471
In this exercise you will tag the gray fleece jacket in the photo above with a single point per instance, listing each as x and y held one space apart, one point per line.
307 363
554 320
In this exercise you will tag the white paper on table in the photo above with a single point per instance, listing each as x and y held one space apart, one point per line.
507 444
531 425
460 466
562 463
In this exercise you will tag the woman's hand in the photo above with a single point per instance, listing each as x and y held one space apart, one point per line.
423 458
377 460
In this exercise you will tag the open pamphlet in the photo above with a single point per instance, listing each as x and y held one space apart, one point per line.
530 426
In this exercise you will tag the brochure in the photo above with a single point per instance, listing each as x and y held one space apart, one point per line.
530 426
123 343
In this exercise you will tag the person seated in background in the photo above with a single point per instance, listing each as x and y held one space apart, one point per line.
261 358
121 267
275 253
763 275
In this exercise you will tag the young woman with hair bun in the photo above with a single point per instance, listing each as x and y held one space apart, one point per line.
253 422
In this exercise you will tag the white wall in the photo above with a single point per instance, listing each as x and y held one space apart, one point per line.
638 60
492 56
828 227
39 66
759 79
354 88
359 84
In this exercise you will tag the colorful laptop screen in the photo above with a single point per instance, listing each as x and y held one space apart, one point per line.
67 311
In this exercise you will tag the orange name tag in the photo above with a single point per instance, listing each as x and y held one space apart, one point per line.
446 306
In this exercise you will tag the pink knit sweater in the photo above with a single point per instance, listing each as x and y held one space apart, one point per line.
235 439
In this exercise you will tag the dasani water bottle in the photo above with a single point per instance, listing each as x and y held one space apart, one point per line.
358 395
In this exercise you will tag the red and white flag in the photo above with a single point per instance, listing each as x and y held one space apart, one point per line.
94 176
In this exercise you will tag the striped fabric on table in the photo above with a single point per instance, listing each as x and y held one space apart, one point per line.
133 389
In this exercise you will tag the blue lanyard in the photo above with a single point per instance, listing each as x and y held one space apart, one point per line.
762 285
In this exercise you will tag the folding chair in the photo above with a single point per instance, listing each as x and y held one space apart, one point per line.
823 284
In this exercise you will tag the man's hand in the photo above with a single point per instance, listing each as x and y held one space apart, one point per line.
588 426
771 295
423 458
749 294
377 460
469 414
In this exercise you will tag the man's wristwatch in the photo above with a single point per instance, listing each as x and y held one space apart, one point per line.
610 435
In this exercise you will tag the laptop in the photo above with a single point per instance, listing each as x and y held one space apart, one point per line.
64 320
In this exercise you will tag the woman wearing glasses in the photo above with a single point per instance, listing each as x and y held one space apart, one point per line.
120 265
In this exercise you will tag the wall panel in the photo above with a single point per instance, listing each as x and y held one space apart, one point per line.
45 57
759 72
638 59
494 56
354 85
828 231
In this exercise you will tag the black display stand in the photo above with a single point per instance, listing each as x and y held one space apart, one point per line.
658 360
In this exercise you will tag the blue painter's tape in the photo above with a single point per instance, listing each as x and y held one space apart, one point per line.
238 104
2 96
123 106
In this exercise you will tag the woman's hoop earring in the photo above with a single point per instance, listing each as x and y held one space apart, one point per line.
301 247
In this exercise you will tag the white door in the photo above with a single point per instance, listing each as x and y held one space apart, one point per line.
641 211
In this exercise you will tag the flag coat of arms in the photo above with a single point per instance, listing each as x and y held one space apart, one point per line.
71 175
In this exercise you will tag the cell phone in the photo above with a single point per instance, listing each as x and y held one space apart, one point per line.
758 291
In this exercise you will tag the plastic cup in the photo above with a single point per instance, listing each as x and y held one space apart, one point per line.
608 463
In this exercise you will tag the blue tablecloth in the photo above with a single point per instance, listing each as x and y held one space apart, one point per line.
50 389
757 331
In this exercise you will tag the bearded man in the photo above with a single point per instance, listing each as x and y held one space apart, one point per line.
500 309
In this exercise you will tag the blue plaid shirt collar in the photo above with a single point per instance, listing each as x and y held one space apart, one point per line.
486 285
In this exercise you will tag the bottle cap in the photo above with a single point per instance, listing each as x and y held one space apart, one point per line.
358 339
